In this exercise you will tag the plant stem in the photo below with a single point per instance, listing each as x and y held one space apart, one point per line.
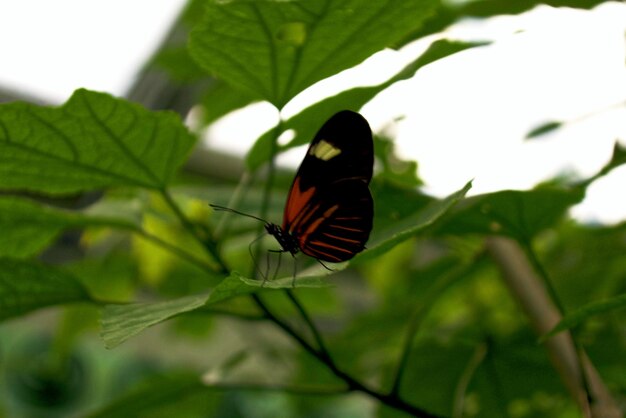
461 388
316 334
174 249
419 314
191 228
391 400
295 390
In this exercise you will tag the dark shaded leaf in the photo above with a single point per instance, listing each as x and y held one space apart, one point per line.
518 214
151 396
28 227
27 286
411 225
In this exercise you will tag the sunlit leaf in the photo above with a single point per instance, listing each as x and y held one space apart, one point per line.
307 122
27 286
276 49
93 140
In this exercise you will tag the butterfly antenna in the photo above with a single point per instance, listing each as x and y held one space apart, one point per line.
225 209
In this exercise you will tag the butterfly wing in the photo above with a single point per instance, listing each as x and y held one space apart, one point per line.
340 222
330 209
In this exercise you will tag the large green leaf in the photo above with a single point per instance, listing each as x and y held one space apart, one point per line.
27 286
93 140
28 227
518 214
275 49
578 316
307 122
120 322
411 225
221 99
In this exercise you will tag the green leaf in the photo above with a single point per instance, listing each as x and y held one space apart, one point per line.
287 283
409 226
618 158
93 140
306 123
27 286
276 49
578 316
28 227
221 99
518 214
178 64
543 129
120 322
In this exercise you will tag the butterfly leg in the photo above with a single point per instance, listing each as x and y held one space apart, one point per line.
295 271
257 268
324 265
280 252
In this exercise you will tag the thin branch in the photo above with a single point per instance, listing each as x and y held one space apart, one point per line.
353 384
174 249
461 388
418 315
316 334
309 390
246 316
191 228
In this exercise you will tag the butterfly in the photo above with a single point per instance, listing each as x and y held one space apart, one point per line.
329 210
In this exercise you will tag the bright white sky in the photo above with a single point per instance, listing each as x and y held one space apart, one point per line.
466 116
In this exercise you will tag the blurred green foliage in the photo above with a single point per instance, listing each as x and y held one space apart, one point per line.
421 321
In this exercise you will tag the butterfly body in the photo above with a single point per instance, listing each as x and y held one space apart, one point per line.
329 209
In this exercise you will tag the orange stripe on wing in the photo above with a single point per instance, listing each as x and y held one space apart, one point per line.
296 202
341 238
330 246
344 228
316 223
321 254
